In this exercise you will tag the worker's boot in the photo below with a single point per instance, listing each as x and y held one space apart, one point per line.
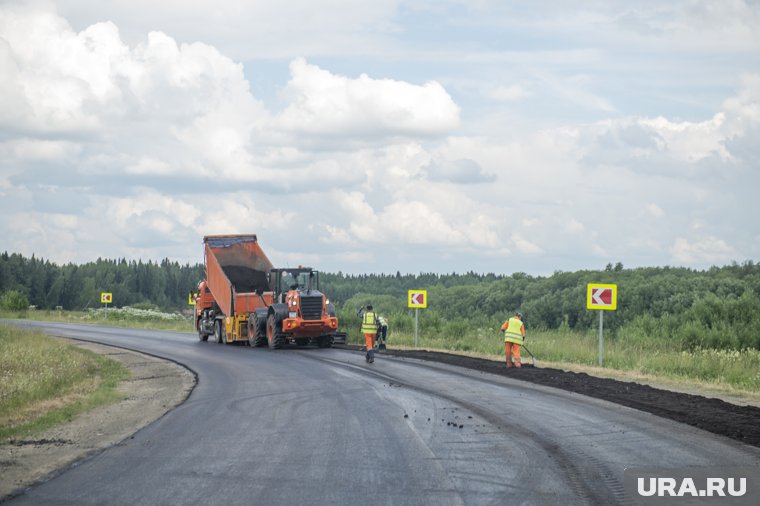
371 355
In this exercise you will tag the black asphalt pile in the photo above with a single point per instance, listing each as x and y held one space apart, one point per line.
741 423
245 279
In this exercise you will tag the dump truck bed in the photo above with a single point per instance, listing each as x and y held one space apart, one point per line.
236 269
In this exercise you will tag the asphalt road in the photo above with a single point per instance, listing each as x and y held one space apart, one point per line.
319 426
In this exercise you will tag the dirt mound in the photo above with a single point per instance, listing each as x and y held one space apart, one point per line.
741 423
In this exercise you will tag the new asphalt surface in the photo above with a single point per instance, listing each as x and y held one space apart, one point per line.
319 426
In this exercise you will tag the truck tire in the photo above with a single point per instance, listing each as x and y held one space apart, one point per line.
275 337
201 335
325 341
256 333
218 331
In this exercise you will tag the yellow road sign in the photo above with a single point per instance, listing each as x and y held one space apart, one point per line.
106 297
417 298
601 296
191 298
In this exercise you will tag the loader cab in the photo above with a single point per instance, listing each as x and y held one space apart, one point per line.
304 280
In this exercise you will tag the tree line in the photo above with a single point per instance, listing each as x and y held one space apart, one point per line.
46 285
716 307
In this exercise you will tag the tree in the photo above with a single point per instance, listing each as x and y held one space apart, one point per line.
14 300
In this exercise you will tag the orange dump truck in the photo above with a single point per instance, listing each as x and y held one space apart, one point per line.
245 299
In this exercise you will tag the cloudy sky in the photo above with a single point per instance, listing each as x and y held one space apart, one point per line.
386 135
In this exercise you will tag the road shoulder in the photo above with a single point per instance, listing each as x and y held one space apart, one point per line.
154 387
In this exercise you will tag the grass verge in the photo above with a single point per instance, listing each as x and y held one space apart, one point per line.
45 382
117 317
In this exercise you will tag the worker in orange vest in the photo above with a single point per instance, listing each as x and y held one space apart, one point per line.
514 336
369 329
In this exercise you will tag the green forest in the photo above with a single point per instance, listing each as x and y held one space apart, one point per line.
714 308
45 285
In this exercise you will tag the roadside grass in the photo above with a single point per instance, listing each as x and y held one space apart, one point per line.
730 370
45 382
117 317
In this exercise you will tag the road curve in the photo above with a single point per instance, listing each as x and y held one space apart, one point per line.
319 426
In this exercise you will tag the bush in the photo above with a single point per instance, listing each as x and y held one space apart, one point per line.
146 306
14 300
127 313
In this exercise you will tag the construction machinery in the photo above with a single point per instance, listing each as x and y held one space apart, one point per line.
245 299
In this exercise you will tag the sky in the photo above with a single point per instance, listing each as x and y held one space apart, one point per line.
384 136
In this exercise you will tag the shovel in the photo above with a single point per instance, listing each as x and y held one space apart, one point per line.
532 358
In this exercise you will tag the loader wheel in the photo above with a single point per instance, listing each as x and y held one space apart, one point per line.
275 337
218 332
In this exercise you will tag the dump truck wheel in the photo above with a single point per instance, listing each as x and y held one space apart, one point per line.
256 334
218 332
201 335
275 337
325 341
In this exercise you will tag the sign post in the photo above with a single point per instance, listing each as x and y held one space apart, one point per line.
604 298
106 298
601 326
417 299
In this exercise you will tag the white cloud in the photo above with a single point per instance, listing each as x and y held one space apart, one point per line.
433 217
246 30
32 232
525 246
416 223
140 142
680 148
574 226
120 210
655 210
237 214
730 24
337 235
461 170
186 106
325 104
31 150
576 89
149 166
161 108
687 141
702 250
509 93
